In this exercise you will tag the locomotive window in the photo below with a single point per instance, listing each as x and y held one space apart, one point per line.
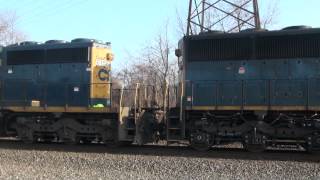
25 57
67 55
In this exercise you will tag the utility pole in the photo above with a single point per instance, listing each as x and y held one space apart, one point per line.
208 15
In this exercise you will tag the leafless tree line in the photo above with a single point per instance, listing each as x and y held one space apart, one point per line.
9 33
154 71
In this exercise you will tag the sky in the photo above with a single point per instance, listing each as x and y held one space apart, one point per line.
128 24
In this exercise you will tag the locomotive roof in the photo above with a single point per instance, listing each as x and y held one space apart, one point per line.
54 44
252 33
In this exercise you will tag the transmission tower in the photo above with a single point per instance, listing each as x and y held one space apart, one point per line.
223 15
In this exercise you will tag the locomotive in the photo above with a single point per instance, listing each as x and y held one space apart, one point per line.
61 91
256 87
58 91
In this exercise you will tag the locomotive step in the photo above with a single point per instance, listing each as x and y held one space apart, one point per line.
170 141
174 117
174 128
285 141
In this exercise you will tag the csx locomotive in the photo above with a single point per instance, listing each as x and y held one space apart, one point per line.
57 91
257 87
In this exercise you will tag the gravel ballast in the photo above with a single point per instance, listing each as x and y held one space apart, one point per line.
55 161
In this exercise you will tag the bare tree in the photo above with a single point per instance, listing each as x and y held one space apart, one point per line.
270 14
154 66
162 63
9 33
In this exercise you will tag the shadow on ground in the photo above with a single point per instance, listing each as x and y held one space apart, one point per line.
176 151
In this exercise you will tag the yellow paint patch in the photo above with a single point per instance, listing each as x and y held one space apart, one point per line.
100 73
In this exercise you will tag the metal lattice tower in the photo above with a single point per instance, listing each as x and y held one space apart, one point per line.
223 15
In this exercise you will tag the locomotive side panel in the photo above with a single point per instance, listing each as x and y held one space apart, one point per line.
52 77
56 76
250 78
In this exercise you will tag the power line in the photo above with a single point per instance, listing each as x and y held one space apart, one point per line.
16 5
44 10
35 8
24 3
53 11
6 2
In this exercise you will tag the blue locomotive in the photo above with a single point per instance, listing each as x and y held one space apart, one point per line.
257 87
58 91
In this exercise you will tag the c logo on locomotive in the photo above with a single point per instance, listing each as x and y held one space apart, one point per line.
103 75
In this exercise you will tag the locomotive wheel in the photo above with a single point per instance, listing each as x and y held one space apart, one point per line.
255 148
28 141
254 141
86 141
112 144
201 147
200 141
312 144
117 144
308 149
68 136
73 141
25 134
125 143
